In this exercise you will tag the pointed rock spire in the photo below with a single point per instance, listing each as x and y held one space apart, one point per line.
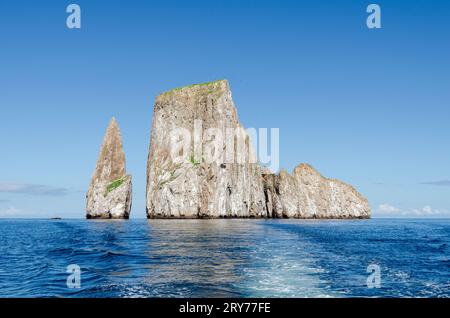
109 194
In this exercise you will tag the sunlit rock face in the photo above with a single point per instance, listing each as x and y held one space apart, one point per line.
110 190
307 194
190 186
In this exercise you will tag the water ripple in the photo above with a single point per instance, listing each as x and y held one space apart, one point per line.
224 258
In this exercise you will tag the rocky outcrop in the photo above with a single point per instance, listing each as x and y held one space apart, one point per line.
307 194
182 184
109 194
208 179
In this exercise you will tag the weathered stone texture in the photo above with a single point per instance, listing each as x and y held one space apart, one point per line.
307 194
193 188
110 190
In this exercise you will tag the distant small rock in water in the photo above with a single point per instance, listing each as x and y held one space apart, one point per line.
110 190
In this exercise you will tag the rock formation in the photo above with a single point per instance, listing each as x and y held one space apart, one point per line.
193 187
182 184
307 194
109 194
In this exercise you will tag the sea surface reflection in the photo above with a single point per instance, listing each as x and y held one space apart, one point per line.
224 258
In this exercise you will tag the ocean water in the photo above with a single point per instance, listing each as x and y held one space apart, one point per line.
225 258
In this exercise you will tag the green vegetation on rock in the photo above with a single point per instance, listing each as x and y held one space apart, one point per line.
207 84
192 160
115 184
172 177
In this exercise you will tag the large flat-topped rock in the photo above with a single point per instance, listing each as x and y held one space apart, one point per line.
182 184
191 186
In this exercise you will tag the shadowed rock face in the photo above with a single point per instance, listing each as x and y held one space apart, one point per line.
109 194
196 189
193 187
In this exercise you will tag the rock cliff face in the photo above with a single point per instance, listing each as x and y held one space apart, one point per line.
182 184
189 186
109 194
307 194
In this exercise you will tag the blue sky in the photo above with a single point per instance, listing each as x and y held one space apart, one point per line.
370 107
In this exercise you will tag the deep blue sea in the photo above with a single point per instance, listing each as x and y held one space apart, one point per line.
225 258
